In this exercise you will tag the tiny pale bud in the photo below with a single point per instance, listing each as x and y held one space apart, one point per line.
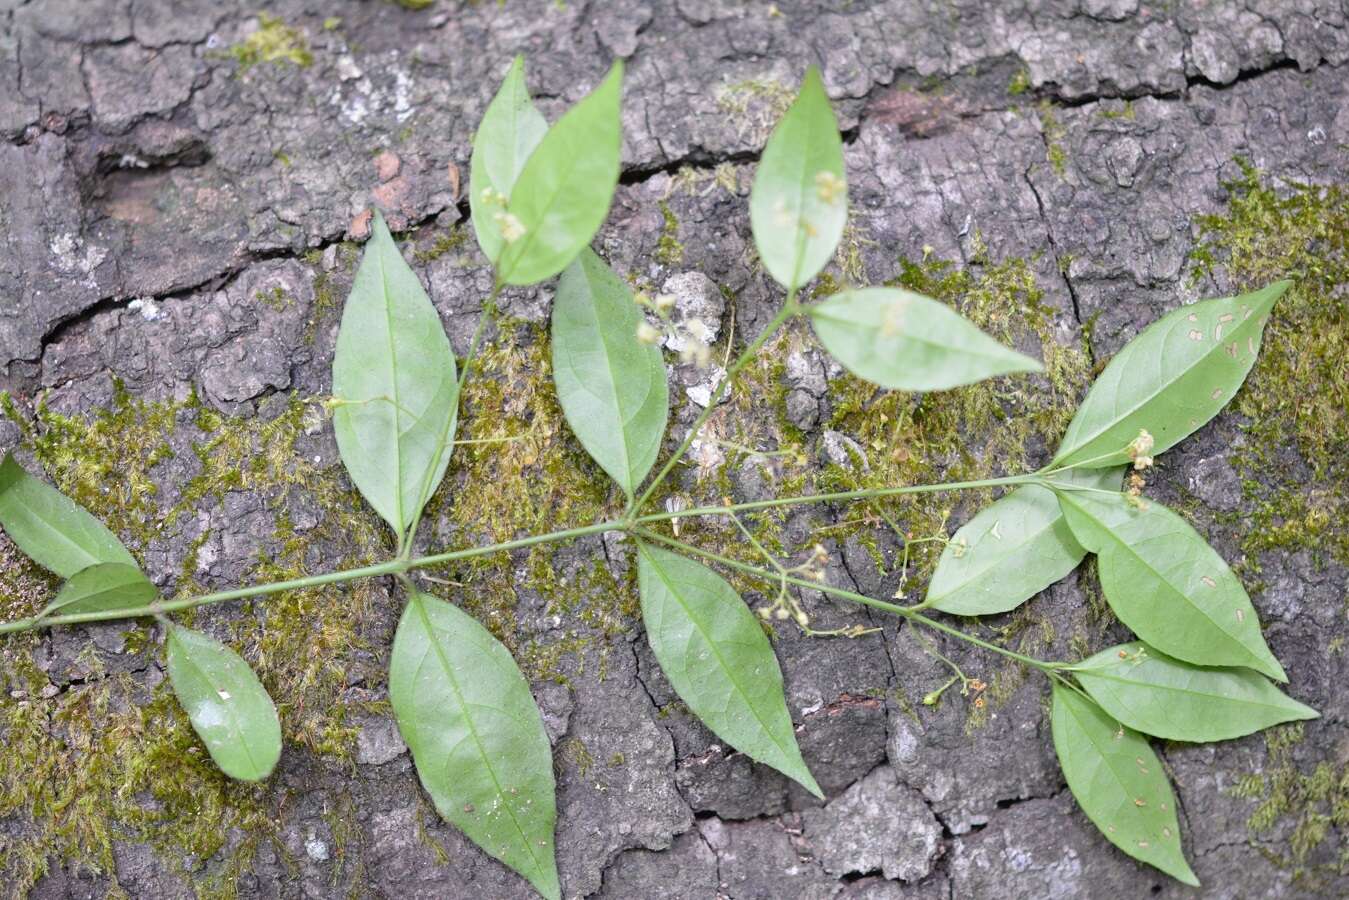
780 613
647 334
512 229
664 303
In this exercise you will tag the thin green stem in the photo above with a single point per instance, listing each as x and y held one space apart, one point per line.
396 567
789 309
906 612
837 496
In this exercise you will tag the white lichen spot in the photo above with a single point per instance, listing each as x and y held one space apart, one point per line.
1196 334
1209 581
1241 616
224 695
1217 392
829 187
147 307
1194 318
1232 349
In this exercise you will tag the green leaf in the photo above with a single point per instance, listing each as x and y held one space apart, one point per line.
52 529
1167 584
611 386
394 380
475 734
905 341
1169 380
1155 694
717 658
509 131
799 202
1013 549
228 706
563 193
1119 783
103 586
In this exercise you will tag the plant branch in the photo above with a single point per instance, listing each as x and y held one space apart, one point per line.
906 612
392 567
836 496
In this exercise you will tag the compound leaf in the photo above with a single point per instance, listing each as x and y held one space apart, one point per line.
564 190
395 385
1013 549
467 715
509 131
902 340
228 706
1167 584
611 385
52 529
1167 698
799 203
1119 783
717 658
1170 379
103 586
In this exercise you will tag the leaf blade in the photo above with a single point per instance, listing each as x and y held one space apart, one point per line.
103 586
1167 584
1119 783
228 706
53 530
394 377
469 719
905 341
796 219
1155 694
564 190
706 639
611 386
1012 549
1170 379
510 130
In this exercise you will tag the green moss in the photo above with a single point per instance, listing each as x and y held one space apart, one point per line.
1019 84
520 471
1298 392
1118 109
273 42
447 242
669 251
1311 803
109 759
1054 133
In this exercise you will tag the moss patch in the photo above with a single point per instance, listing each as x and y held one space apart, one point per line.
273 42
111 759
1298 392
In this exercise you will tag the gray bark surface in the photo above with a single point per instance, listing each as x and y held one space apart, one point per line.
153 190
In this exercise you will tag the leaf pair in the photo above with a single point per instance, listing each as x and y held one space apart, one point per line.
712 649
538 195
227 705
1111 768
798 209
1164 382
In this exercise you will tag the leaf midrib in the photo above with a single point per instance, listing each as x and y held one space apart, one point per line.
1120 417
472 727
716 651
1117 543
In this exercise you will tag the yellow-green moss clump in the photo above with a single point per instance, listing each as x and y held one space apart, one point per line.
1312 803
519 472
1295 403
1298 394
273 42
113 759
